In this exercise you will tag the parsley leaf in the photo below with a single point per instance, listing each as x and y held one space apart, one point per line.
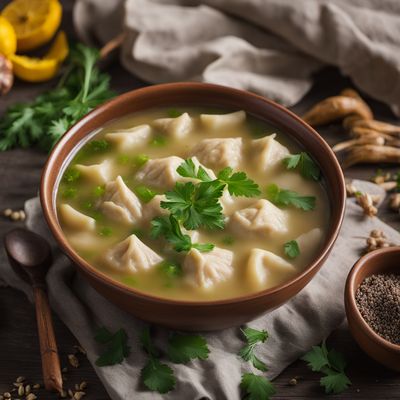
291 249
171 230
284 197
188 170
117 347
256 387
238 184
332 364
253 337
157 376
196 205
183 348
308 168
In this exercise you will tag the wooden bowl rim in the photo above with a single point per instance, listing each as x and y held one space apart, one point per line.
47 194
350 291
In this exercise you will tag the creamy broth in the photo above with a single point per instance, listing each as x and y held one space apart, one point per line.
86 192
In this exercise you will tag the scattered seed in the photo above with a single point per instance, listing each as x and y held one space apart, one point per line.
65 369
22 215
31 396
73 360
27 389
7 212
20 379
7 395
21 390
293 382
83 385
76 387
36 386
79 395
63 394
17 384
15 216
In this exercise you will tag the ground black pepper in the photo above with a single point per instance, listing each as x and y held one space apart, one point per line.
378 299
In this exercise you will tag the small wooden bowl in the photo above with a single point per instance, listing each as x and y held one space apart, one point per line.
379 261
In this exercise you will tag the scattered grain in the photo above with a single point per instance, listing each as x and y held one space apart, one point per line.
21 390
7 212
27 389
79 395
7 395
63 394
36 386
73 360
293 382
15 216
83 385
31 396
70 393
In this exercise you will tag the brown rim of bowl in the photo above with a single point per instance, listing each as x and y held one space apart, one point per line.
350 293
46 198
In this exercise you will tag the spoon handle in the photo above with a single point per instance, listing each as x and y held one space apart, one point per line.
48 348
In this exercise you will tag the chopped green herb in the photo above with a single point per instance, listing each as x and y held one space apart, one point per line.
123 159
71 175
170 229
253 337
138 232
44 120
256 387
105 231
283 197
170 269
188 170
196 205
174 113
228 240
69 192
238 184
308 168
99 191
87 205
117 347
291 249
332 364
129 280
159 141
183 348
141 159
155 376
145 193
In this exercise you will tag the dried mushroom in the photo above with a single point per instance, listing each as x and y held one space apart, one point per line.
367 203
370 153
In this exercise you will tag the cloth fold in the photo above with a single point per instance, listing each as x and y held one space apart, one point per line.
302 322
271 47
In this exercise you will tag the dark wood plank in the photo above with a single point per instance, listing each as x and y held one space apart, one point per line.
19 177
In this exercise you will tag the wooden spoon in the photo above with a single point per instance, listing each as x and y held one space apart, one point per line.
30 257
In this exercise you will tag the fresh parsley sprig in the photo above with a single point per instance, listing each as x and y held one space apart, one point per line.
256 387
183 348
291 249
44 120
284 197
238 183
306 165
332 364
169 228
188 170
117 348
253 337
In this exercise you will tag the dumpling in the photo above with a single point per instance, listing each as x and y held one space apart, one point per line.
84 241
204 270
262 217
219 153
265 269
153 208
309 243
268 152
176 128
76 220
119 203
97 173
131 255
221 121
160 172
129 139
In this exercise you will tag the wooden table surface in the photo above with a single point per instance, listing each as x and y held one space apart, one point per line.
19 354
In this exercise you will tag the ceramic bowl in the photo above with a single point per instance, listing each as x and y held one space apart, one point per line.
379 261
187 315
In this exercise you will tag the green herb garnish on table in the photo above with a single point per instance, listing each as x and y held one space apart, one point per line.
247 353
183 348
44 120
256 387
116 346
330 363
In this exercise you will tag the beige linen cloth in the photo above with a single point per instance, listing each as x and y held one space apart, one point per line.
271 47
293 328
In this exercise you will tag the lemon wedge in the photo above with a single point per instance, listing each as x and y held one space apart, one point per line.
8 38
34 21
41 69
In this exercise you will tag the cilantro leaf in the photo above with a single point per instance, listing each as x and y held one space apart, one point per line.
256 387
183 348
238 184
253 337
196 205
157 376
169 228
117 348
308 168
146 343
332 364
291 249
284 197
335 382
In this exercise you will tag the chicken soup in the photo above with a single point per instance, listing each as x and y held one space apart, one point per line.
194 204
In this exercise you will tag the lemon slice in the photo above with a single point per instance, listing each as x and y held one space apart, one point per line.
41 69
34 21
8 38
